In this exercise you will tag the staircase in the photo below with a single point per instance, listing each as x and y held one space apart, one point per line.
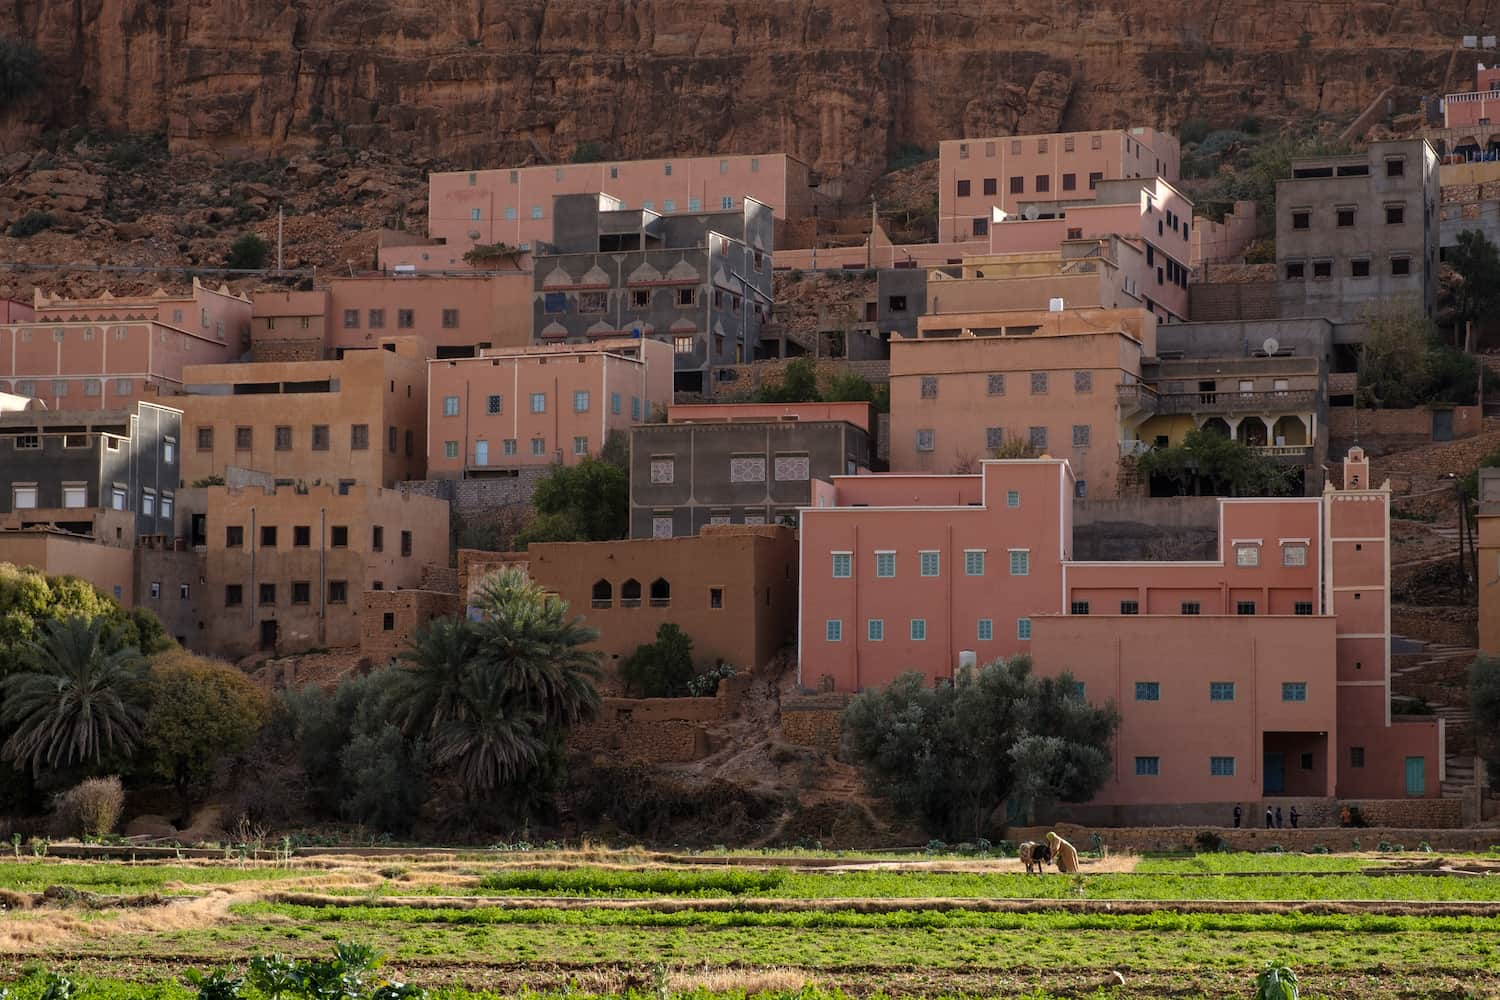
1438 675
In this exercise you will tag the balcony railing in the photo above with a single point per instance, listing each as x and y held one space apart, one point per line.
1146 398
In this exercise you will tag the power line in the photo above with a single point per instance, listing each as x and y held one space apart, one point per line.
147 269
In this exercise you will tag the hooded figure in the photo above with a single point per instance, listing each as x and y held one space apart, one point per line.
1063 853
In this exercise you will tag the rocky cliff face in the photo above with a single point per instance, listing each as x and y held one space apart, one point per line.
841 83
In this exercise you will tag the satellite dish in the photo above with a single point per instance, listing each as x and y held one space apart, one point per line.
999 215
1270 346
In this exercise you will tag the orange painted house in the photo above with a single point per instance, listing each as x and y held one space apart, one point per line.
1262 672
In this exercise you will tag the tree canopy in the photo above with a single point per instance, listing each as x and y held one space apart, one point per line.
799 384
1477 262
586 502
951 754
1403 364
662 669
202 711
1213 464
1484 699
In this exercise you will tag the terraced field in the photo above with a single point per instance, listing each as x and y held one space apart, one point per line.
610 924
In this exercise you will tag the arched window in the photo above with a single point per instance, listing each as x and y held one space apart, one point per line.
630 593
603 594
661 593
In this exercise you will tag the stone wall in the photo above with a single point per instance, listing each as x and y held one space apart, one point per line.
1223 301
1381 431
1426 814
478 496
732 383
1137 528
443 579
408 610
286 349
814 721
657 730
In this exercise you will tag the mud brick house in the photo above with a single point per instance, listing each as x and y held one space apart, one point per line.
1262 672
361 419
732 588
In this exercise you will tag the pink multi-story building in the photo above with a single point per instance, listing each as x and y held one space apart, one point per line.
107 352
450 315
514 407
976 176
1148 209
514 206
1480 106
1263 671
15 311
970 383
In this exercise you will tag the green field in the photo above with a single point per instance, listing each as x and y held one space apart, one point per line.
499 924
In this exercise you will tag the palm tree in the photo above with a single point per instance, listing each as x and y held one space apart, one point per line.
495 741
528 641
429 692
69 702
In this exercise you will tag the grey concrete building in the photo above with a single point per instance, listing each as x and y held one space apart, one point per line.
900 299
687 475
700 281
1356 231
60 466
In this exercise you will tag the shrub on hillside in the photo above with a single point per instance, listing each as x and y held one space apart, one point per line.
248 253
662 669
30 224
91 808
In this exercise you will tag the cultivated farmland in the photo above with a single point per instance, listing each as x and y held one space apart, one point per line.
611 923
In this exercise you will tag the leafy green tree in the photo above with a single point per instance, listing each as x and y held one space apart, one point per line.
587 502
1477 262
384 779
1213 464
951 754
430 691
1395 359
799 384
248 253
852 387
202 712
71 701
662 669
587 152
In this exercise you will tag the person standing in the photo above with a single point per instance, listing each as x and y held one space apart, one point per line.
1293 817
1278 817
1236 816
1270 820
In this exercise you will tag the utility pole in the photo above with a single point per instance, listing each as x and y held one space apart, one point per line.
280 218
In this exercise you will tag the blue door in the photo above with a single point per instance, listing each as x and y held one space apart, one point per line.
1416 776
1275 773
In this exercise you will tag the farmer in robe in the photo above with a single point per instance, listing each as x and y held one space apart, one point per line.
1064 853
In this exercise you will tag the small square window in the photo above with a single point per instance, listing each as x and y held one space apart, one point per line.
1148 767
919 629
1400 265
1081 435
885 565
338 591
1344 218
1038 437
963 189
268 536
1070 182
1294 555
1130 607
244 438
1078 607
1356 756
986 630
538 402
1012 498
842 565
1322 269
1038 383
1083 381
267 593
1023 628
1302 608
1294 691
1020 563
1247 555
1148 691
833 630
1395 215
924 440
1302 219
234 595
929 563
875 629
929 387
1296 270
974 562
1244 607
234 537
995 385
1192 608
994 438
1221 767
1359 268
338 536
359 437
450 406
1221 690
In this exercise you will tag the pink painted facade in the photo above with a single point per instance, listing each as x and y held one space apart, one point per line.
105 353
534 406
1220 242
514 206
1481 106
15 311
1265 671
858 414
449 312
976 176
1150 209
970 383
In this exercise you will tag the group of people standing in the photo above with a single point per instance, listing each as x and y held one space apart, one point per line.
1273 817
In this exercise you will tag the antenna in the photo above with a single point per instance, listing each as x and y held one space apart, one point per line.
1271 346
